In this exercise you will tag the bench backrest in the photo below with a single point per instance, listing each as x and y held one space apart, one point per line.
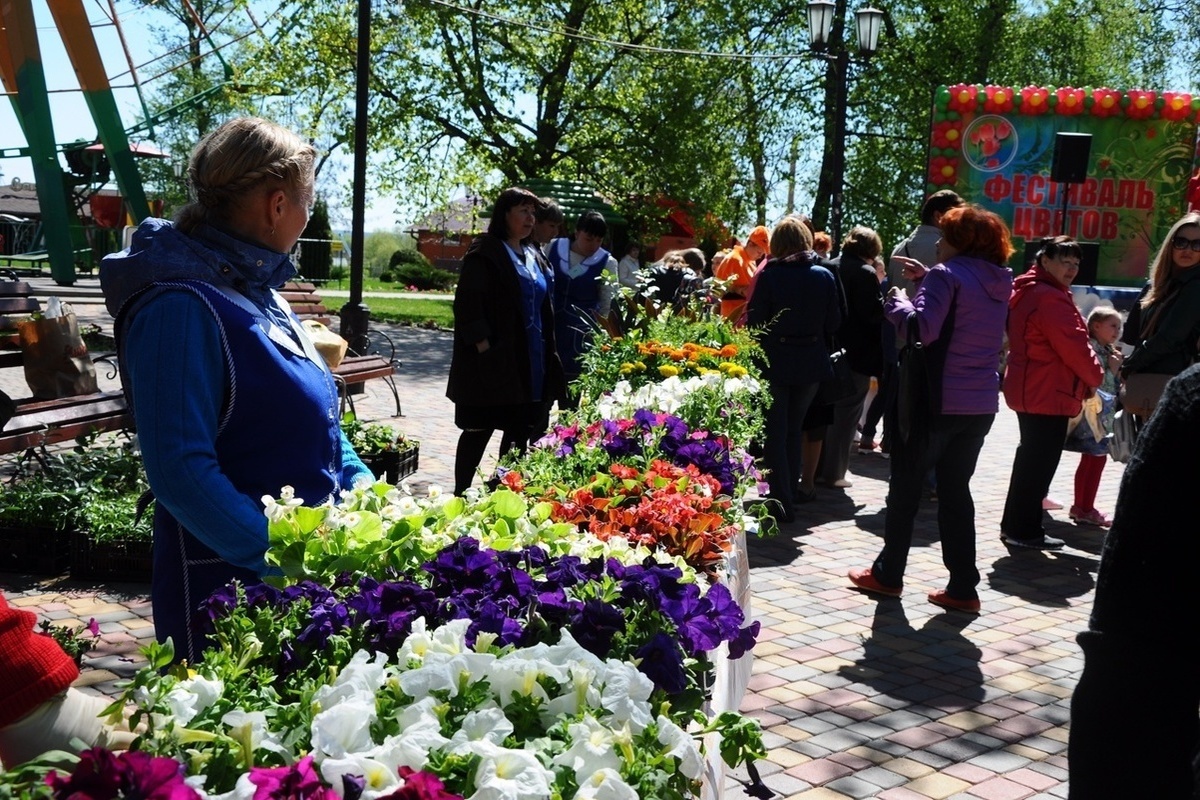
305 302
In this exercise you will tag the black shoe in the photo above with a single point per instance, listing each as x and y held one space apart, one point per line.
1036 543
799 497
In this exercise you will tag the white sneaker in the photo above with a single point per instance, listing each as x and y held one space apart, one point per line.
1050 504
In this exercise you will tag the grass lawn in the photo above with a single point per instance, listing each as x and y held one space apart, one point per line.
406 311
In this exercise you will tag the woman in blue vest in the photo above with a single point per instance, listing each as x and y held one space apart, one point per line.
231 400
582 291
504 371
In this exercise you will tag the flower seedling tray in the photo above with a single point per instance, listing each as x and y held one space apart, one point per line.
111 559
394 466
34 551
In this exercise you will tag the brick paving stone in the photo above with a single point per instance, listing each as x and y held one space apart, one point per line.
853 786
819 771
1001 788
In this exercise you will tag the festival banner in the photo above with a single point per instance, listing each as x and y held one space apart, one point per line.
994 145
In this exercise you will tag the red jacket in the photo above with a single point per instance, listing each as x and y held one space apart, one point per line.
1051 365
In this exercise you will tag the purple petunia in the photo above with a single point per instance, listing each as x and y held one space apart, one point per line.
661 661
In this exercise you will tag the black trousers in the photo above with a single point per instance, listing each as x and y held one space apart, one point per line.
951 448
1038 454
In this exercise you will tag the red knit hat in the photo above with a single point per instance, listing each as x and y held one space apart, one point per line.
33 668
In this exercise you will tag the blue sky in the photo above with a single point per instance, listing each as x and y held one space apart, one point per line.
71 118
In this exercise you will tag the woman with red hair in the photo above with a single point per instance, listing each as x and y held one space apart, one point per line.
957 319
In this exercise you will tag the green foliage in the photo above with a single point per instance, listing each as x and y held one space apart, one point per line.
369 438
90 488
378 247
387 276
405 257
424 277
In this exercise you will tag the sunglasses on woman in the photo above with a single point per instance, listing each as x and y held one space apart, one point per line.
1184 243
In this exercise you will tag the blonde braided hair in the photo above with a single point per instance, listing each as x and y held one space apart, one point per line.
237 159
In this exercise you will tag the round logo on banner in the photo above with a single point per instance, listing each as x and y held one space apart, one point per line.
990 143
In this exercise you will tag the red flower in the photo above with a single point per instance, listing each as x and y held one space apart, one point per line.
963 97
1141 105
1070 101
1035 100
1106 103
1177 106
999 99
513 480
623 472
947 135
943 171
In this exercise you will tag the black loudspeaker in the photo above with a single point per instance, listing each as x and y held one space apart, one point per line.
1088 263
1071 152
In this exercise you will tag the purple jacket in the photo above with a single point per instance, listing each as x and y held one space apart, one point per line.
978 291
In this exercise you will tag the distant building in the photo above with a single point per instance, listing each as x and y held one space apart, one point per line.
444 236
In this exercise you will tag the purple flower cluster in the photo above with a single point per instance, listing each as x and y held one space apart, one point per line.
522 598
681 446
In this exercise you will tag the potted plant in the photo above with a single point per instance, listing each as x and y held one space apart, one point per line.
36 519
386 451
114 539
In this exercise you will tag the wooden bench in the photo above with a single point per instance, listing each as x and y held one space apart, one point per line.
356 368
38 423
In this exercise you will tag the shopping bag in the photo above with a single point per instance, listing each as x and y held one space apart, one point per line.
56 359
1140 392
1124 434
331 346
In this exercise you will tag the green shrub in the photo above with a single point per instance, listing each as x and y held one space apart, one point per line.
386 276
425 277
402 257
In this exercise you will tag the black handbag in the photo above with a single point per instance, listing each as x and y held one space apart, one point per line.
912 394
841 385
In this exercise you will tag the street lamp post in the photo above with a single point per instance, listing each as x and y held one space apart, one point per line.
355 315
827 38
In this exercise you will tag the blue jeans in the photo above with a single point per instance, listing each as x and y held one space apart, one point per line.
951 448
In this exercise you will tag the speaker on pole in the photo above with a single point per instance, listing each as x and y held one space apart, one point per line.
1071 152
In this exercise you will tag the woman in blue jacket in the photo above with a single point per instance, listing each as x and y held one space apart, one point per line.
231 400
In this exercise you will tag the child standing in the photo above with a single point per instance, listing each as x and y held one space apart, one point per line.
1104 328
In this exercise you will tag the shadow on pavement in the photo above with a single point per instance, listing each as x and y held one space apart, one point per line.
949 672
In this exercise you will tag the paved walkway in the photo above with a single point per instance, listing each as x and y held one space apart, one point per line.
859 698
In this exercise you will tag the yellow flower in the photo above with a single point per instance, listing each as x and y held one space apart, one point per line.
737 371
626 368
668 370
640 366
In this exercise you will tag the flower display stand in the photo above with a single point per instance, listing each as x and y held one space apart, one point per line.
34 551
394 465
111 559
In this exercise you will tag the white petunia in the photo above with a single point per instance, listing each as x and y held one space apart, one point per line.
358 681
380 779
242 790
251 726
363 480
485 725
625 694
593 748
435 492
682 746
505 774
343 729
419 736
192 696
605 784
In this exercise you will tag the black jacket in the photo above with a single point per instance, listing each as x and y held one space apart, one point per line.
488 305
